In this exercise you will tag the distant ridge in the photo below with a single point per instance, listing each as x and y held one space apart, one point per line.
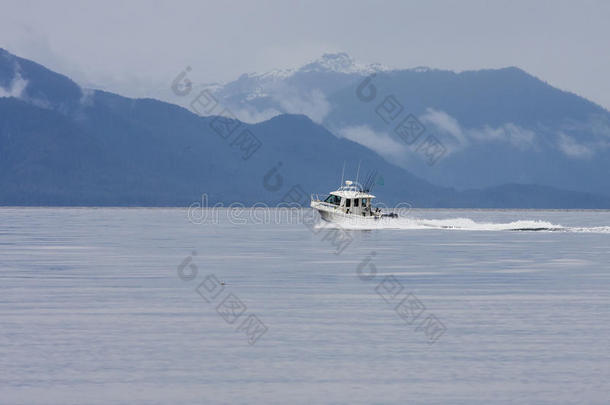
61 145
499 125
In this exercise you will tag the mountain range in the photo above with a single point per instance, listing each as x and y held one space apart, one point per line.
497 126
61 144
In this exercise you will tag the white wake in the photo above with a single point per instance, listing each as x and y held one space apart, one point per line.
463 224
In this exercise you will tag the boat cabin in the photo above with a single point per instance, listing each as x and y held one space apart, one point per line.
351 199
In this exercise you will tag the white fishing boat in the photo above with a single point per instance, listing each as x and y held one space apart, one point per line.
350 202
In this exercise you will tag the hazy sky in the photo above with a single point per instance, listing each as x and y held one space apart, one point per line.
128 46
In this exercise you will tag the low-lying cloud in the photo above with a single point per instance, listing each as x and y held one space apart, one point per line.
445 124
518 137
571 148
251 116
312 104
379 142
457 137
16 87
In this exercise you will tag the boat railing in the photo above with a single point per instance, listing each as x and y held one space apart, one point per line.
353 186
319 197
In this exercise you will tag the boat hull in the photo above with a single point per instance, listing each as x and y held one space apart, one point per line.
336 215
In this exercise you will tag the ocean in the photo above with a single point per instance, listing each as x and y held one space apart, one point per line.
153 306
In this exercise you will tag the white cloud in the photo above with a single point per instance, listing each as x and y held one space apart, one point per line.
16 87
444 123
312 104
250 116
379 142
446 128
598 124
455 137
519 137
595 133
573 149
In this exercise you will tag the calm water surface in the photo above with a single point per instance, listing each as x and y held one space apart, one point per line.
92 310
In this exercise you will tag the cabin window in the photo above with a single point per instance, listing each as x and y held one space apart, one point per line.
356 201
348 202
333 199
364 202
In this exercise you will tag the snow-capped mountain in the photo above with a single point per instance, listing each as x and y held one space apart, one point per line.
328 63
494 126
255 97
340 63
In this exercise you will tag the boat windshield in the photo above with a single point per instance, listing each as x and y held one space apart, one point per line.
333 199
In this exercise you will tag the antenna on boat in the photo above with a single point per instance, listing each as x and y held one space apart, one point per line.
342 174
358 172
369 183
